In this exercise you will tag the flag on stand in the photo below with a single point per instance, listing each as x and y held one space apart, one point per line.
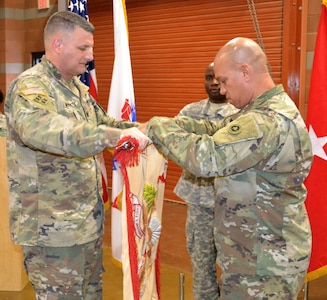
89 78
121 106
316 182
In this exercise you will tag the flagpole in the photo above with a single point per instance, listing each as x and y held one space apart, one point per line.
181 286
306 291
62 5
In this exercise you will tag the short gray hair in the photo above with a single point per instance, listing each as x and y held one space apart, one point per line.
66 21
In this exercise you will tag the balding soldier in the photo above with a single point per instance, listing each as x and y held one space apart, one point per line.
262 155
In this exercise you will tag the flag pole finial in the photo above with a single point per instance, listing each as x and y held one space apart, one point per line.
324 2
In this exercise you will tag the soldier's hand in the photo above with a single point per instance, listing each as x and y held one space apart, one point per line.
142 127
137 134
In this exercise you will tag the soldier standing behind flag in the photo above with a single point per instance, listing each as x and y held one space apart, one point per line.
262 155
56 132
199 194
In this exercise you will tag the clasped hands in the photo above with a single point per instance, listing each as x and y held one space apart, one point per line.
139 133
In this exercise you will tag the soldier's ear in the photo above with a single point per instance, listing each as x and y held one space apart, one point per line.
56 44
245 70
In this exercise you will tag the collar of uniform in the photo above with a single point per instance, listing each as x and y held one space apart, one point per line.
55 72
264 97
51 67
270 93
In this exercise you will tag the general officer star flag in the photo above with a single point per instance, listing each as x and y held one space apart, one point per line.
316 182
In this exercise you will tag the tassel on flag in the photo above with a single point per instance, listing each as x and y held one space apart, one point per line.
316 182
89 78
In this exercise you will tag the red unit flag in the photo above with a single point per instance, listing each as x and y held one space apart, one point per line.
316 182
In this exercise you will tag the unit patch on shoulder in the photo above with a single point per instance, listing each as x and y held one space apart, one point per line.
40 99
243 128
37 96
33 91
235 129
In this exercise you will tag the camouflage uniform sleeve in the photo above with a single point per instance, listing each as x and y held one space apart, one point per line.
192 125
104 119
236 147
33 117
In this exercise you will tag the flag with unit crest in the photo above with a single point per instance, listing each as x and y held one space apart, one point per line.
137 197
144 177
121 106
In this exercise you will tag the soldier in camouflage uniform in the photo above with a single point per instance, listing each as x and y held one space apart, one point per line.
262 155
198 192
56 132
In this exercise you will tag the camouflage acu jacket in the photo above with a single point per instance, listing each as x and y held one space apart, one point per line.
3 125
191 188
54 136
262 155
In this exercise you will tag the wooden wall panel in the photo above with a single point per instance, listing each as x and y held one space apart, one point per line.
171 43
